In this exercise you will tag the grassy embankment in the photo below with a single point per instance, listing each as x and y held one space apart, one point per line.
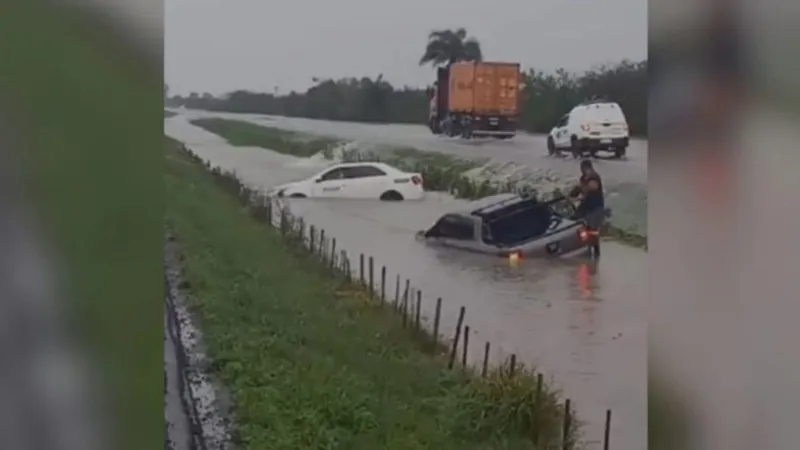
90 164
309 360
442 172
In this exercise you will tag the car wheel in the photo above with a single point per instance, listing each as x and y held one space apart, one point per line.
391 196
619 152
298 195
551 146
575 148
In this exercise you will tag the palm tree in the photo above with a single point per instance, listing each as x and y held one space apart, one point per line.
447 46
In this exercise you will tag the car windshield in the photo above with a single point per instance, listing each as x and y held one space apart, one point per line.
523 221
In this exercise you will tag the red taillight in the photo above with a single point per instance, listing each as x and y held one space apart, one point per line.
585 234
416 180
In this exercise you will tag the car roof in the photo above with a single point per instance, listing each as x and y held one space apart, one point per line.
379 165
363 163
497 203
597 106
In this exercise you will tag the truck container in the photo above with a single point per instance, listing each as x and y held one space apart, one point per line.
476 99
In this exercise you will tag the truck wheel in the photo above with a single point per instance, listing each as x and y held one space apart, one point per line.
433 124
575 148
450 128
551 146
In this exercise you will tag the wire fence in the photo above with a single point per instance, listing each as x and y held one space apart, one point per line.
401 298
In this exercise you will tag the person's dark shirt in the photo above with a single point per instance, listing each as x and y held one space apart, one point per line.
593 198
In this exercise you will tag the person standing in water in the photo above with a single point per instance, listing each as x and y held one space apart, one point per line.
592 208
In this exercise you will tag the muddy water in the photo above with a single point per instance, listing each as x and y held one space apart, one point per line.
582 324
525 149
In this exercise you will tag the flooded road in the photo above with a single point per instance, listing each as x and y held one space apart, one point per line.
525 149
584 325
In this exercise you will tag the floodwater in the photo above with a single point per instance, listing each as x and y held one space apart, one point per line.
524 149
581 324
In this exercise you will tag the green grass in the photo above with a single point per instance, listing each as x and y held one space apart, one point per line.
310 362
80 107
245 134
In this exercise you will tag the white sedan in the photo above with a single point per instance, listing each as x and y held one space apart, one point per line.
357 180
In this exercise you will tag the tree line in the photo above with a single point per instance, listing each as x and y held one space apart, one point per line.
545 98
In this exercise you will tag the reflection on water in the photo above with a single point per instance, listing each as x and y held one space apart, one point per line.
581 322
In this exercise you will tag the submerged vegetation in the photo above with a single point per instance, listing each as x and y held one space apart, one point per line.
442 172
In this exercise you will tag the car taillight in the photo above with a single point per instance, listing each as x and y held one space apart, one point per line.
416 180
585 234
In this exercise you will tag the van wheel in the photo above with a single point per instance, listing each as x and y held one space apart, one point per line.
391 196
297 195
575 148
551 146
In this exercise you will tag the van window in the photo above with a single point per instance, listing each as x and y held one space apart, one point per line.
454 227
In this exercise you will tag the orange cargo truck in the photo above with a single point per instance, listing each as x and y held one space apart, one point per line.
476 99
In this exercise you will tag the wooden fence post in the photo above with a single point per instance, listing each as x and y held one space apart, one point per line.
452 361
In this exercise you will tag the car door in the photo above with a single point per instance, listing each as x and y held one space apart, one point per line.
364 181
561 138
330 184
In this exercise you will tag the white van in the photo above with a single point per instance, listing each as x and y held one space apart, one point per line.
590 128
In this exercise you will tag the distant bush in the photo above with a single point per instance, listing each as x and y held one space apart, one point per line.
547 96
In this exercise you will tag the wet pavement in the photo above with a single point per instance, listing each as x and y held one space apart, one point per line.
177 425
582 324
197 408
524 149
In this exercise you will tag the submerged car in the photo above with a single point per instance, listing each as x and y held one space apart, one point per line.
515 226
357 180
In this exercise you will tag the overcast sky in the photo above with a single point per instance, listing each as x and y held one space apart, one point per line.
222 45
